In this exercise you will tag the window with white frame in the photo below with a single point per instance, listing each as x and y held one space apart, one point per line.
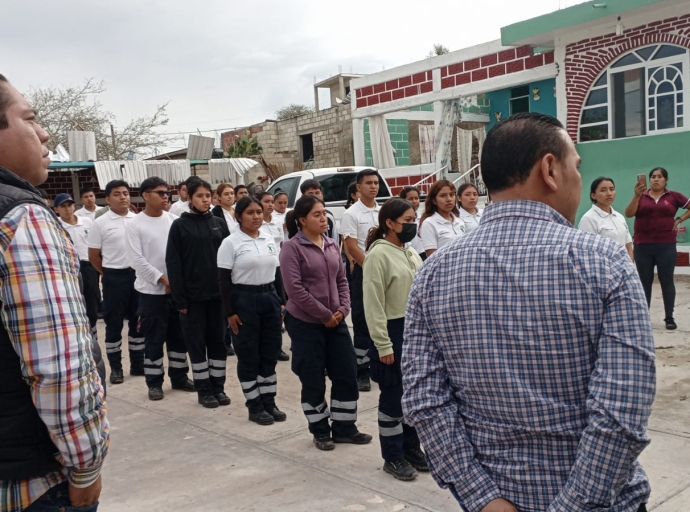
641 93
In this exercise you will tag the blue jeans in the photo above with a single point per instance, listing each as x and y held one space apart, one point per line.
57 500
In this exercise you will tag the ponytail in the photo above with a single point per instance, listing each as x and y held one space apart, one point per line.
376 233
291 223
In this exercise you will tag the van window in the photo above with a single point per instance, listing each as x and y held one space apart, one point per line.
334 186
288 185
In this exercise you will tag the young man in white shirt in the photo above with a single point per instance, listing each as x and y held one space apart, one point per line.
88 199
182 204
147 239
78 229
354 227
108 254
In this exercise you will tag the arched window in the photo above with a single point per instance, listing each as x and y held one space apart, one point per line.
641 93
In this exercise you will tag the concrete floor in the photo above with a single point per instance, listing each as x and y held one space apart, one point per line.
176 455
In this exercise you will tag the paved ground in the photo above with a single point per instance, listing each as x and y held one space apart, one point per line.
175 455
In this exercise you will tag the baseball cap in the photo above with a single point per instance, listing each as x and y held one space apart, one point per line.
61 199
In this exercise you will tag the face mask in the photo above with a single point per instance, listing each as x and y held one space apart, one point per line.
408 232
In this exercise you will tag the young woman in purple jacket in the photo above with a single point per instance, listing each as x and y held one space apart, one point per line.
318 302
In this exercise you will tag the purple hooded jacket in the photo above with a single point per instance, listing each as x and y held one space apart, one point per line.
314 280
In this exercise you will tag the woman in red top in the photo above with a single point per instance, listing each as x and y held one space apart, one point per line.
655 236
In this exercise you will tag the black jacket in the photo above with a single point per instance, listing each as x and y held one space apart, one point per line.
26 449
190 258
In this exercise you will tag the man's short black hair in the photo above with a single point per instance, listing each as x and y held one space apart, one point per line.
150 183
239 187
115 184
367 172
516 144
309 184
4 103
85 190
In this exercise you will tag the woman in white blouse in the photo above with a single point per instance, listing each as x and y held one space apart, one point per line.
441 222
602 219
411 195
226 206
468 197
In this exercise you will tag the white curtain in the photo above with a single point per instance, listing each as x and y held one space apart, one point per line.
426 143
464 140
381 147
450 116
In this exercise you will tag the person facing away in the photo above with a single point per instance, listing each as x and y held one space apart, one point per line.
54 434
528 363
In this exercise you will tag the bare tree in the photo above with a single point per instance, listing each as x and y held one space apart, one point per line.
438 49
59 111
293 110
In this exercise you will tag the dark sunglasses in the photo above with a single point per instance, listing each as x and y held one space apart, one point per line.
161 193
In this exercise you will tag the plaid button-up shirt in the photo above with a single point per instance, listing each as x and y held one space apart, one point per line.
43 312
529 365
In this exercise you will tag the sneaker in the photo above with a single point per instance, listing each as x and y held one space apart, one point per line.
261 418
277 414
208 401
222 398
136 371
155 394
324 443
417 458
363 383
282 356
187 385
670 323
400 469
358 438
117 377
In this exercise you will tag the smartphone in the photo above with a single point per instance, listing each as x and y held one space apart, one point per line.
642 179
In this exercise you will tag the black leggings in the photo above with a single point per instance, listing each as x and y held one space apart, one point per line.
663 256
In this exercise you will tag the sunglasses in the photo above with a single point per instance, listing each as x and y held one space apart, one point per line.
161 193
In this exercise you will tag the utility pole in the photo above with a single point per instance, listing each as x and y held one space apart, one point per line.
112 135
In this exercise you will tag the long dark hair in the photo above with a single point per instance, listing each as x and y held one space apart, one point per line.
243 204
430 206
303 207
351 190
392 209
595 185
407 190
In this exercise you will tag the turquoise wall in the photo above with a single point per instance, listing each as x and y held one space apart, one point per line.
398 130
546 104
623 159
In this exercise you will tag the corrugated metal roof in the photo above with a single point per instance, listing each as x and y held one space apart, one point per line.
200 148
226 170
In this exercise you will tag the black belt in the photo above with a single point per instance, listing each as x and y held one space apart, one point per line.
254 288
118 270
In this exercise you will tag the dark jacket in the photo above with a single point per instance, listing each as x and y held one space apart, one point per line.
26 450
190 258
314 279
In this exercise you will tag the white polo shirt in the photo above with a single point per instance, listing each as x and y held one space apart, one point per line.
357 220
79 233
471 221
179 207
275 230
109 234
437 231
83 212
253 261
611 225
416 242
229 217
147 241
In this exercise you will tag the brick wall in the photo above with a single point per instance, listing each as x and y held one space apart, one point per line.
397 184
585 60
460 73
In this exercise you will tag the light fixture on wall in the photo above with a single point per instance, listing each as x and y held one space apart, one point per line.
619 27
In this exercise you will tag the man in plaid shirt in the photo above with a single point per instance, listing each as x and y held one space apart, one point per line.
54 433
528 363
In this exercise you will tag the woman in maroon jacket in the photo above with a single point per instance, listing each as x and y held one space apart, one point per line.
318 302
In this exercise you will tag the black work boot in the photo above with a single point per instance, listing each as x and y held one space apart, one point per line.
417 458
277 414
208 401
117 376
261 418
400 469
363 383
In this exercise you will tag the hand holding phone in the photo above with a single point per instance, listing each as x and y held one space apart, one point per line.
641 185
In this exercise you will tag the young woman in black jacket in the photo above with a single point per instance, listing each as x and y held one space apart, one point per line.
193 242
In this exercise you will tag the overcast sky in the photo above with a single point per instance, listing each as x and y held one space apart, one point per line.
230 63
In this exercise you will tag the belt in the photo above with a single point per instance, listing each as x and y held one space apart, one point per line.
254 288
118 270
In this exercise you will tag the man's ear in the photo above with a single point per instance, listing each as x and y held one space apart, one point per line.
547 170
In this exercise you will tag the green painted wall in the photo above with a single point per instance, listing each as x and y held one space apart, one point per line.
546 105
429 107
623 159
398 130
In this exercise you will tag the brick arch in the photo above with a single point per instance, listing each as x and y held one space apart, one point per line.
586 60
